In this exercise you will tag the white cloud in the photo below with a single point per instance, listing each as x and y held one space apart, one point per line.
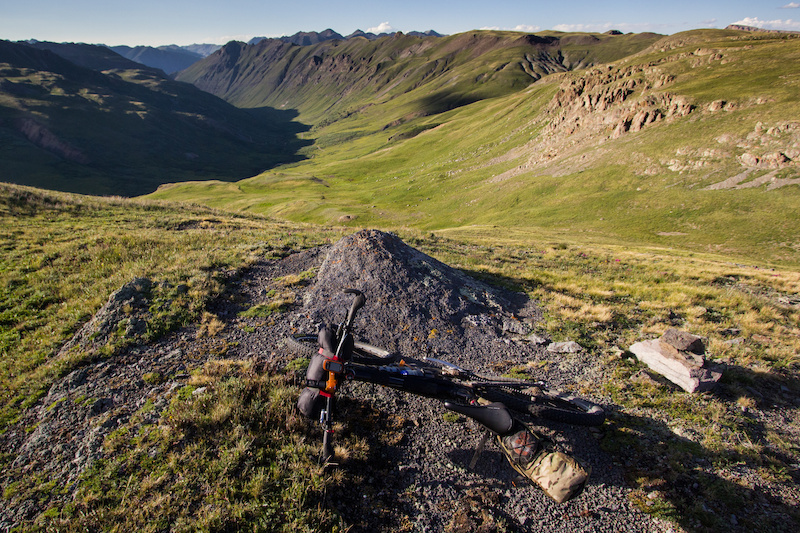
383 27
527 28
583 27
788 24
791 5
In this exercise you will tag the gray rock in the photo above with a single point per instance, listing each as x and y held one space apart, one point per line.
514 325
684 341
538 339
122 306
565 347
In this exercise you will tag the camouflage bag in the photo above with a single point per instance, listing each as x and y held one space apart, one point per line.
560 476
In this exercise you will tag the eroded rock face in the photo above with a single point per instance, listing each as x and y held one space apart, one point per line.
47 140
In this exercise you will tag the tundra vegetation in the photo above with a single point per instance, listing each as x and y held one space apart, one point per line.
63 254
653 193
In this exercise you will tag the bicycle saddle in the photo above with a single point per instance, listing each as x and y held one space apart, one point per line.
494 416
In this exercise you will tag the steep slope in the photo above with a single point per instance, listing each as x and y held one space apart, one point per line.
89 56
334 79
691 142
170 59
123 132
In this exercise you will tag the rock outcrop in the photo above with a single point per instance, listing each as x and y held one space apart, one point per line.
47 140
414 302
617 101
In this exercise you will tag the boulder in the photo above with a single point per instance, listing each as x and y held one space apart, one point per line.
680 357
684 341
417 304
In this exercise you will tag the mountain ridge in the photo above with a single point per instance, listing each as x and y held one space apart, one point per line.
331 76
679 140
111 126
307 38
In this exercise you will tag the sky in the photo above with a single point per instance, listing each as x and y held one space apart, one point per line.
182 22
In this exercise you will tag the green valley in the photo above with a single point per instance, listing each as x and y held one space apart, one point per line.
685 141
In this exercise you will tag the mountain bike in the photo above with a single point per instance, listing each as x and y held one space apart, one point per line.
337 358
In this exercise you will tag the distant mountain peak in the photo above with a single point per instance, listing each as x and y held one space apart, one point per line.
308 38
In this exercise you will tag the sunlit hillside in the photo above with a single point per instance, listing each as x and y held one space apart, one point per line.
690 142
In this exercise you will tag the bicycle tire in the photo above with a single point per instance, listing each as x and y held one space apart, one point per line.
567 409
363 353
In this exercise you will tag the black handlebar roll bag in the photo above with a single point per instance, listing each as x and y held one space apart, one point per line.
311 401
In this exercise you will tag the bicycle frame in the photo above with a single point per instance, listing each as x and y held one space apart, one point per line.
460 389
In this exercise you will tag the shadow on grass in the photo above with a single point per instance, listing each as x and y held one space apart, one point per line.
442 101
681 480
744 487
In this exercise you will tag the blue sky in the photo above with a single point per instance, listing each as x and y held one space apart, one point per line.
159 22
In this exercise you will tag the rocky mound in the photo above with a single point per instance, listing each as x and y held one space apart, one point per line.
416 304
420 306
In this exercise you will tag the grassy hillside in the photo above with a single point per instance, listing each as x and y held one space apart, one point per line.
60 258
122 131
688 143
412 76
656 191
62 255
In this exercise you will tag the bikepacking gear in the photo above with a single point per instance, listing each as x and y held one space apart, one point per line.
311 402
320 383
560 476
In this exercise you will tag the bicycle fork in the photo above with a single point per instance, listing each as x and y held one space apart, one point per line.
327 431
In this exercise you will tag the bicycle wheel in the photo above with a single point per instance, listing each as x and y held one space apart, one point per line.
559 408
363 353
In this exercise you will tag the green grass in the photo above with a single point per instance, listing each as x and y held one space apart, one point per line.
616 247
225 453
234 457
676 447
448 170
62 256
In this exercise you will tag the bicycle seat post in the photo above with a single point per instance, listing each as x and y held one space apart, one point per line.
346 327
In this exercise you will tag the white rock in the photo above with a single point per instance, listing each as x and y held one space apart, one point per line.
685 369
